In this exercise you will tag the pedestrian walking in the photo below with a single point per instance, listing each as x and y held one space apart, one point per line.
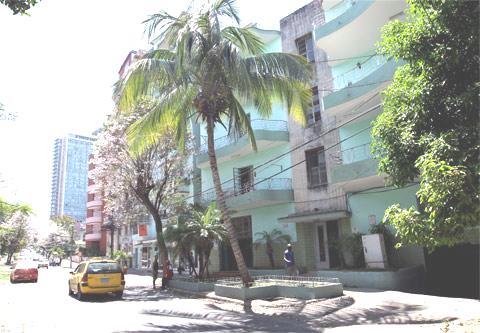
289 258
167 274
155 270
191 263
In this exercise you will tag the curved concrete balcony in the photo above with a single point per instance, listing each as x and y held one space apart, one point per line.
94 204
352 27
357 170
94 236
360 84
263 192
94 219
93 188
268 134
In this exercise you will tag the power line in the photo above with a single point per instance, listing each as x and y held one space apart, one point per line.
368 191
306 142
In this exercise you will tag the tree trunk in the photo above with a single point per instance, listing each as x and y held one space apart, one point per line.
201 268
9 258
270 255
242 267
162 247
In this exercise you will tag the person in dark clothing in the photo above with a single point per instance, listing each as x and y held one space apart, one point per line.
289 258
167 273
155 270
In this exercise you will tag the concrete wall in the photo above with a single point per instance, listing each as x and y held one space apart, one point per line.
406 279
375 202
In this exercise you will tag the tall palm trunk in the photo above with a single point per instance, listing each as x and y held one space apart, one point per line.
242 267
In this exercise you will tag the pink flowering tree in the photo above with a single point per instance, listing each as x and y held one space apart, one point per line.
134 184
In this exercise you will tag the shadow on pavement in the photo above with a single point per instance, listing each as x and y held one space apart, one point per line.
225 321
390 313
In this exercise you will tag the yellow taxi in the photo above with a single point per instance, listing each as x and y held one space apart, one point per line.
96 276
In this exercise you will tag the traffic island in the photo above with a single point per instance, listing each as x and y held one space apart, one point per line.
265 287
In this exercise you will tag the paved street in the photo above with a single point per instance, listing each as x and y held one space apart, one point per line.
46 307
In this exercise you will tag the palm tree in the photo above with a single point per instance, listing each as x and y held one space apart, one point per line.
206 72
200 230
270 239
205 228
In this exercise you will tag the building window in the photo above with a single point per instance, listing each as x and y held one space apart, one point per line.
314 113
305 47
316 167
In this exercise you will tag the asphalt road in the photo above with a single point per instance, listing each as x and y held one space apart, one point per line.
46 307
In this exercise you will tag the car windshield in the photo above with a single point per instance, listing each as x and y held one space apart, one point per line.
104 267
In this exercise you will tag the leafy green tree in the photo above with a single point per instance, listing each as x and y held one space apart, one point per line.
206 72
14 234
8 209
198 229
429 127
19 6
67 224
270 239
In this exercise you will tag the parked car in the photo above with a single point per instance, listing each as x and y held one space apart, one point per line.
96 276
24 271
42 262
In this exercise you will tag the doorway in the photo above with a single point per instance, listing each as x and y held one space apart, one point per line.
321 241
243 179
243 228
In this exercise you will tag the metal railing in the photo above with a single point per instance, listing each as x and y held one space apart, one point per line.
285 280
353 154
255 185
257 124
360 71
331 204
338 10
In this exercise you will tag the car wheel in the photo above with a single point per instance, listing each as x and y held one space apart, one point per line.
118 294
80 296
35 281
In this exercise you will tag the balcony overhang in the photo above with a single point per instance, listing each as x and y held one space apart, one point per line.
94 204
347 98
265 139
315 216
358 176
356 31
259 198
94 220
92 237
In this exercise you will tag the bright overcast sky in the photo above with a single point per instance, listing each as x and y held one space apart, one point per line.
57 68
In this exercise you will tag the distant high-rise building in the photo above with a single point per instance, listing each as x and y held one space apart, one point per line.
69 176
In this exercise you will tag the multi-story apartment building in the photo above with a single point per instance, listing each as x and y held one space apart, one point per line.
95 233
69 176
337 188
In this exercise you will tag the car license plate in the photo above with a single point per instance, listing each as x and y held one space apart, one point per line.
104 280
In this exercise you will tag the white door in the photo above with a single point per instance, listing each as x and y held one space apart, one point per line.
322 245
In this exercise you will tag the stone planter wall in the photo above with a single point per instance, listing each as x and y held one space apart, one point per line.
195 286
324 291
405 279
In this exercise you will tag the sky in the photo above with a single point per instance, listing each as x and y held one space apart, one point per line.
57 69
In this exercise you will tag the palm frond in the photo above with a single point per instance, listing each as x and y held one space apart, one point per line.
227 8
243 38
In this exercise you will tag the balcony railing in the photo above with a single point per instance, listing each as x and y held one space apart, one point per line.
357 73
257 124
338 10
257 185
354 154
333 204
